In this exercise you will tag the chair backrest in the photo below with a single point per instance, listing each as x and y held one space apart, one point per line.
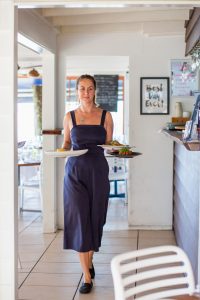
29 174
152 273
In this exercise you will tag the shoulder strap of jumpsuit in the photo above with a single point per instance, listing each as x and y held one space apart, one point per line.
103 116
72 113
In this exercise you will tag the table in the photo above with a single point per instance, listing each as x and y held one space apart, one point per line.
26 164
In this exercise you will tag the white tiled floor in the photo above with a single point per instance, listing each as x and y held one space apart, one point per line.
47 272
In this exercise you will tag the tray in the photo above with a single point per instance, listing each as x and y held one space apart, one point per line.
110 147
126 156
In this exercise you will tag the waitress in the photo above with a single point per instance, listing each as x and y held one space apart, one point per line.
86 183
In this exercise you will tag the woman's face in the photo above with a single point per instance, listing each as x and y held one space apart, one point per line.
86 91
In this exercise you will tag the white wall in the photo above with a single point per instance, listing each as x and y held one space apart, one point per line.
150 195
37 29
92 64
49 142
8 155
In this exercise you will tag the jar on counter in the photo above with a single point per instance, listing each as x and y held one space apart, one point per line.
178 109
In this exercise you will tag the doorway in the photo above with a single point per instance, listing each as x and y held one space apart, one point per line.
105 66
29 138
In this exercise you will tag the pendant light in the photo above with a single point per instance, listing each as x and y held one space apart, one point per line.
33 73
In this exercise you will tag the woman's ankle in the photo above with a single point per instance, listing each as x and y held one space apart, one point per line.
87 278
91 265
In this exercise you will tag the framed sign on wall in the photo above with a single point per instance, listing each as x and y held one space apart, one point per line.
184 81
154 95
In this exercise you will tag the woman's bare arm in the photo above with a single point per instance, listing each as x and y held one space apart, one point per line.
109 127
67 126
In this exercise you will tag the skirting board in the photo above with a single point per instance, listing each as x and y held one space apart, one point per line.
149 227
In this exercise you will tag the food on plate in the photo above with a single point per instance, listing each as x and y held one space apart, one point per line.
61 150
115 143
125 151
113 151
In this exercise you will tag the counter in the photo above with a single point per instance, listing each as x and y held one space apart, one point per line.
177 137
186 197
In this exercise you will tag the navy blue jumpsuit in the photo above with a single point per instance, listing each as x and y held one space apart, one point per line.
86 188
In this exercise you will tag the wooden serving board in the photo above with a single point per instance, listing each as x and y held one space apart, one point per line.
179 120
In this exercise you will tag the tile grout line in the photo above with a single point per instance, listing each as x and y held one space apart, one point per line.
29 225
37 262
138 236
77 287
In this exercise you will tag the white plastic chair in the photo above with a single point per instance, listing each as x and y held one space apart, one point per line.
30 182
152 273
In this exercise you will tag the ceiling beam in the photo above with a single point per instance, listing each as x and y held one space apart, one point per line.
99 3
56 12
146 28
153 16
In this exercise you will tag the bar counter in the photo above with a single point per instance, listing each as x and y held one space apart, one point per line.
177 137
186 197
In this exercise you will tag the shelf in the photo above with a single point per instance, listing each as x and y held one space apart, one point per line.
57 131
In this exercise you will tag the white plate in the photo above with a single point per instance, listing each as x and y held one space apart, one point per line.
66 153
110 147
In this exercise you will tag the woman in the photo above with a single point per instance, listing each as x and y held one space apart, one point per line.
86 184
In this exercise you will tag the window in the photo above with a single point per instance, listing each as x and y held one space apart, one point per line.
25 107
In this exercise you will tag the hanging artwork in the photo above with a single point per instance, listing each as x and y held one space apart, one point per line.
183 79
154 95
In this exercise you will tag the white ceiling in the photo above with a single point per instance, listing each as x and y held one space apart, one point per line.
25 53
28 58
78 19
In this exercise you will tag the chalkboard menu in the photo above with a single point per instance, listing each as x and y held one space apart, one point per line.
107 91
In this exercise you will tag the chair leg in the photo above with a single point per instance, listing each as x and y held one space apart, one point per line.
22 199
126 192
19 263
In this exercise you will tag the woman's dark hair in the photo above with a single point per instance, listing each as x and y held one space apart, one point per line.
89 77
86 76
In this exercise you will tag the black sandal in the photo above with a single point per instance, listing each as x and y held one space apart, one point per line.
92 272
86 288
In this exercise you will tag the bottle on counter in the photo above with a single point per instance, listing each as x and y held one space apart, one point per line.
178 109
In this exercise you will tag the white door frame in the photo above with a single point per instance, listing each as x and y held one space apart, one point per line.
8 151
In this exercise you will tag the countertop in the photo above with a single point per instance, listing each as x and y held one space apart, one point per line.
176 136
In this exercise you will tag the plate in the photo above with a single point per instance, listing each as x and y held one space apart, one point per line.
110 147
125 156
66 153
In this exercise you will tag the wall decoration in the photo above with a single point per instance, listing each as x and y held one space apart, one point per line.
184 79
154 95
